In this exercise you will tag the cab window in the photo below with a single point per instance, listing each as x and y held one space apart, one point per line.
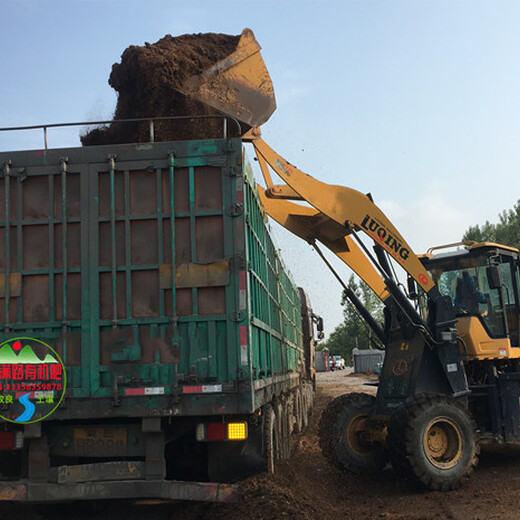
465 282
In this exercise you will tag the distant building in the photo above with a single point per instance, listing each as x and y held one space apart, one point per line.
366 361
321 361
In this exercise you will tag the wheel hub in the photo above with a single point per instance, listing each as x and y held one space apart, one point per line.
443 442
356 434
437 440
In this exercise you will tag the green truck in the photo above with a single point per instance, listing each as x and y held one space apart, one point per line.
147 272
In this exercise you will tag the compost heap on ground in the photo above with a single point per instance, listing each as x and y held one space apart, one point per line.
146 81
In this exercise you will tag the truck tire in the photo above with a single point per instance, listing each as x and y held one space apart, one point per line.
298 411
311 392
341 435
305 410
270 437
433 439
282 412
287 430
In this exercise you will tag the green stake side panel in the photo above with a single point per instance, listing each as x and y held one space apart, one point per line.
150 270
275 310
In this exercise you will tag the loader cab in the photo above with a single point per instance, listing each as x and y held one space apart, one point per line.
482 282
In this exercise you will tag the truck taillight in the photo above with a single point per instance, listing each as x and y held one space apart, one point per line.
208 432
11 440
237 431
216 432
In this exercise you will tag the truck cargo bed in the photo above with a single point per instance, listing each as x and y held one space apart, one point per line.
92 237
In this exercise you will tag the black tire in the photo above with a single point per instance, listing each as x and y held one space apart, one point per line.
305 410
395 442
270 437
298 411
325 429
311 394
433 439
282 416
341 435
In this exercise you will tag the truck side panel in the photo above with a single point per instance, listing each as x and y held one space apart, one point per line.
275 308
92 236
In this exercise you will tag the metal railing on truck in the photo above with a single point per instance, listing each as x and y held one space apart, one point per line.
150 120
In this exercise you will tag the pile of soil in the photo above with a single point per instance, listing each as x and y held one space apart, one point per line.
146 81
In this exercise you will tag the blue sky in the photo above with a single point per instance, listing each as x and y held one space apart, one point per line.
417 102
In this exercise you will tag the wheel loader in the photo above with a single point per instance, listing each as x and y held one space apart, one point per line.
451 375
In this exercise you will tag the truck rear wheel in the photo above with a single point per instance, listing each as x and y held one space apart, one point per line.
282 416
434 441
271 438
343 438
305 410
298 411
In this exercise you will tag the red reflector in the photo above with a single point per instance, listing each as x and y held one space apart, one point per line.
216 432
6 440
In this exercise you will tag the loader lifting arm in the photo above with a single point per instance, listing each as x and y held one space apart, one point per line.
310 224
337 215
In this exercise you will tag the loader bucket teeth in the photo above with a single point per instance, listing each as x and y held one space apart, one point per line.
238 86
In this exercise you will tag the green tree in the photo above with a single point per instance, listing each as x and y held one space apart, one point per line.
354 332
506 231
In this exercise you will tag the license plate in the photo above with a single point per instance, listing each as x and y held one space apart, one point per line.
99 441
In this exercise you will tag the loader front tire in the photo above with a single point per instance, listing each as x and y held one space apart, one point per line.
343 438
439 444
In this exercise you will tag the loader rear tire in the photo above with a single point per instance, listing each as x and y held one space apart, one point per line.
342 438
434 440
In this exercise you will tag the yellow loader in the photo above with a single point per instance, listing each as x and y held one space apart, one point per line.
451 375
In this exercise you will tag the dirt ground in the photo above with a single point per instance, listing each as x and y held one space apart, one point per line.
306 487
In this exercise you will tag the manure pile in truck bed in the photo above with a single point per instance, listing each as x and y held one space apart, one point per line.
146 80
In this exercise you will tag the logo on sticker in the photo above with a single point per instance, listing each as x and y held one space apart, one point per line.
283 166
423 279
32 380
400 367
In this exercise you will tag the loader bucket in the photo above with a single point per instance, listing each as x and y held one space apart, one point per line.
238 86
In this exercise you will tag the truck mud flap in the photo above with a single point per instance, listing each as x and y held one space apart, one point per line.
23 491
